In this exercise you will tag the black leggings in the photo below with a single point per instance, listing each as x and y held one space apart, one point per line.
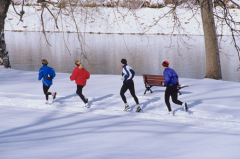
45 91
79 92
173 92
124 88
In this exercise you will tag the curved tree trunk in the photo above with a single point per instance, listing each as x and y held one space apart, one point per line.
213 68
4 58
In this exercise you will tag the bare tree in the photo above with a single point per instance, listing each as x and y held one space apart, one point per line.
4 58
213 68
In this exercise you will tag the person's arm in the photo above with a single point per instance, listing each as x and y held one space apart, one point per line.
127 73
166 78
74 75
132 72
87 74
53 73
40 74
177 80
123 75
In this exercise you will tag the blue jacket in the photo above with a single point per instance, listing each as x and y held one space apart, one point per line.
127 74
46 71
170 77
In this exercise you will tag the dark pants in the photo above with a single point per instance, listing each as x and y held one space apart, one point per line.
45 91
173 92
79 92
124 88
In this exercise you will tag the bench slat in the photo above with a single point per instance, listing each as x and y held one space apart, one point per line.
154 80
152 76
158 85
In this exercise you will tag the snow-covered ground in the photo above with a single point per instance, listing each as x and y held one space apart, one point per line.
64 129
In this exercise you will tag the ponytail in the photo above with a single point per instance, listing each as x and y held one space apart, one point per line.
78 63
80 66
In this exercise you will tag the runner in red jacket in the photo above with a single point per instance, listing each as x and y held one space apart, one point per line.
80 75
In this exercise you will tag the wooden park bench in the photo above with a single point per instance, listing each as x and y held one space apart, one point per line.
156 80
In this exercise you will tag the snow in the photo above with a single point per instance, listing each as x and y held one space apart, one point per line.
64 129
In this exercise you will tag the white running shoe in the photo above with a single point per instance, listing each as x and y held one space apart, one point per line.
126 107
46 102
170 113
86 105
138 109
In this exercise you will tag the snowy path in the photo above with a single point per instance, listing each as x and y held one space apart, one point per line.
153 109
64 129
34 134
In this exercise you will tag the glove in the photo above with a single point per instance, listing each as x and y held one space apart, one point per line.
122 78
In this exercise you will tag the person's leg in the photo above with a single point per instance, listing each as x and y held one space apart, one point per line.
167 96
132 91
122 91
45 91
79 92
174 95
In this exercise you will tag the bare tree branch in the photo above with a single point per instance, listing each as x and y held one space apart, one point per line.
43 30
22 12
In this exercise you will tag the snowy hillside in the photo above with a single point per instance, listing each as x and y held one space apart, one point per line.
64 129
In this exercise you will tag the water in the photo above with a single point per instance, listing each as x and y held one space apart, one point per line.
103 53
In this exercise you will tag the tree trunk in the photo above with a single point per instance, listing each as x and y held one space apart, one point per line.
4 58
213 67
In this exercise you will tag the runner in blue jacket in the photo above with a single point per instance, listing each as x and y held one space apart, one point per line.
171 82
47 74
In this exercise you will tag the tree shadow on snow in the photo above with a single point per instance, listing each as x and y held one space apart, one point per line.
61 99
163 91
144 104
35 130
148 92
197 102
50 117
99 99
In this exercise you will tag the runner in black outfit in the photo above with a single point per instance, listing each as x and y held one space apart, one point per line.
127 76
171 82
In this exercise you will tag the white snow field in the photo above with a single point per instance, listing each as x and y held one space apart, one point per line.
30 129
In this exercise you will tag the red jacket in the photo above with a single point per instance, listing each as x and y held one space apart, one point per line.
80 76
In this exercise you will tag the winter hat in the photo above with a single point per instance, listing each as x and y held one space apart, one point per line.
165 63
124 61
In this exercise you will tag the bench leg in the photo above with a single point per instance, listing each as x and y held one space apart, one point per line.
148 89
145 91
179 92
